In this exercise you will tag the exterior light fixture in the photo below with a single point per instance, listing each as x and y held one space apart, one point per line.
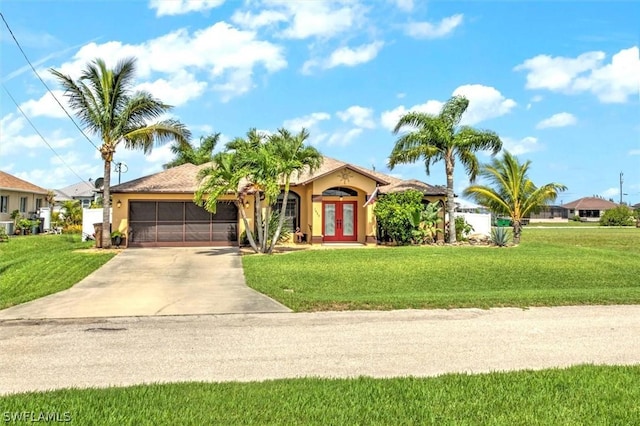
119 204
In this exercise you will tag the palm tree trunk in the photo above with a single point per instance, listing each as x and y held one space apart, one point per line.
106 204
243 215
451 202
258 218
265 229
517 231
283 210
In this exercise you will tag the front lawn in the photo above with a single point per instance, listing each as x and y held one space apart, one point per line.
38 265
560 266
577 395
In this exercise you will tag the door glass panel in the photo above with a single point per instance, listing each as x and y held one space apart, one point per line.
330 220
347 220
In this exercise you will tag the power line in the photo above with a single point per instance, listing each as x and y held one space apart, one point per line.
40 134
45 84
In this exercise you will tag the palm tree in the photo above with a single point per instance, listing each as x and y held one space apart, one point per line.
293 157
188 153
72 212
513 193
440 138
103 100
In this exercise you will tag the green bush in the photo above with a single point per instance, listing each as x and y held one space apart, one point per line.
394 213
619 216
463 229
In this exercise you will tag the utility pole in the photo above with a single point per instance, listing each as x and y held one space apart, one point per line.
621 180
118 168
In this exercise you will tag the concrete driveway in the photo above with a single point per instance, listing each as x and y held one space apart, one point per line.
155 281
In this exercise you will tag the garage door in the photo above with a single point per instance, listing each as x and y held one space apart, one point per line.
181 223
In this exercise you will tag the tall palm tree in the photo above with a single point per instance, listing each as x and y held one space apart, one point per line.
434 138
188 153
293 157
104 101
513 193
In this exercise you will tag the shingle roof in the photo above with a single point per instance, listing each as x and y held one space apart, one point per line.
80 189
180 179
590 203
183 179
13 183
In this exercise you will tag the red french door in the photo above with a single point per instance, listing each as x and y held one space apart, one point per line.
339 221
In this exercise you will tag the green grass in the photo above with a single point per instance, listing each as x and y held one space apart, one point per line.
38 265
577 395
562 224
559 266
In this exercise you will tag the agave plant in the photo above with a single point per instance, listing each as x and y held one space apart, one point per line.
500 236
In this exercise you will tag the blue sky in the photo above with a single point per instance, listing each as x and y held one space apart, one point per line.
558 81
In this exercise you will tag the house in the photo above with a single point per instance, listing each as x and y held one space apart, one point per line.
553 213
18 194
636 206
329 205
84 192
589 209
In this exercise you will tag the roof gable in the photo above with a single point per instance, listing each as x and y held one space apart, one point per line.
180 179
12 183
80 189
590 203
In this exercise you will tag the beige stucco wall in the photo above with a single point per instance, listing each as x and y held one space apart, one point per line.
14 202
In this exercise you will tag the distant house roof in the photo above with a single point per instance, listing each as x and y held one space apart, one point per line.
636 206
183 179
12 183
590 203
80 189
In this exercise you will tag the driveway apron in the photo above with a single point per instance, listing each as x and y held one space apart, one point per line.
155 281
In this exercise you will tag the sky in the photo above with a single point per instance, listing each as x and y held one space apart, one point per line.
559 81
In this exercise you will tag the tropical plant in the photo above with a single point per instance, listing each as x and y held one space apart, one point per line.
15 216
3 235
72 212
513 194
425 224
618 216
103 100
395 214
500 236
463 229
188 153
434 138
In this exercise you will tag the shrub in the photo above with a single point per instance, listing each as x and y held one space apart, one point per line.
463 229
394 213
576 218
72 229
619 216
3 234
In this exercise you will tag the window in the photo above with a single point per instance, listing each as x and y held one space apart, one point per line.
23 204
38 203
4 204
292 211
338 191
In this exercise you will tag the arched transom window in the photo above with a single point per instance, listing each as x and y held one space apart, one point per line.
339 191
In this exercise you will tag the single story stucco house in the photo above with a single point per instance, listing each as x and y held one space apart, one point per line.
328 205
589 209
18 194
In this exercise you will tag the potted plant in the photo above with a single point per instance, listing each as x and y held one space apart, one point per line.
15 216
25 225
116 238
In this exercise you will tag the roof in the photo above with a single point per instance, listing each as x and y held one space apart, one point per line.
590 203
636 206
183 179
180 179
80 189
13 183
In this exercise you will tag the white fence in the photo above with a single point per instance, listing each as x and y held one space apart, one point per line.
481 222
89 217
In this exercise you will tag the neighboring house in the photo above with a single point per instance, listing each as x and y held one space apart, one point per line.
84 192
553 213
636 206
329 205
589 209
18 194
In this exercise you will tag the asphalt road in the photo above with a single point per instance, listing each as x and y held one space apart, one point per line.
125 351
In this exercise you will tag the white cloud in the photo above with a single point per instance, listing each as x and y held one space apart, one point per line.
13 139
404 5
181 7
63 174
160 155
485 102
400 95
611 83
178 90
610 192
522 146
319 18
359 116
562 119
307 121
258 20
46 106
228 55
390 118
634 152
535 99
344 138
428 30
345 56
